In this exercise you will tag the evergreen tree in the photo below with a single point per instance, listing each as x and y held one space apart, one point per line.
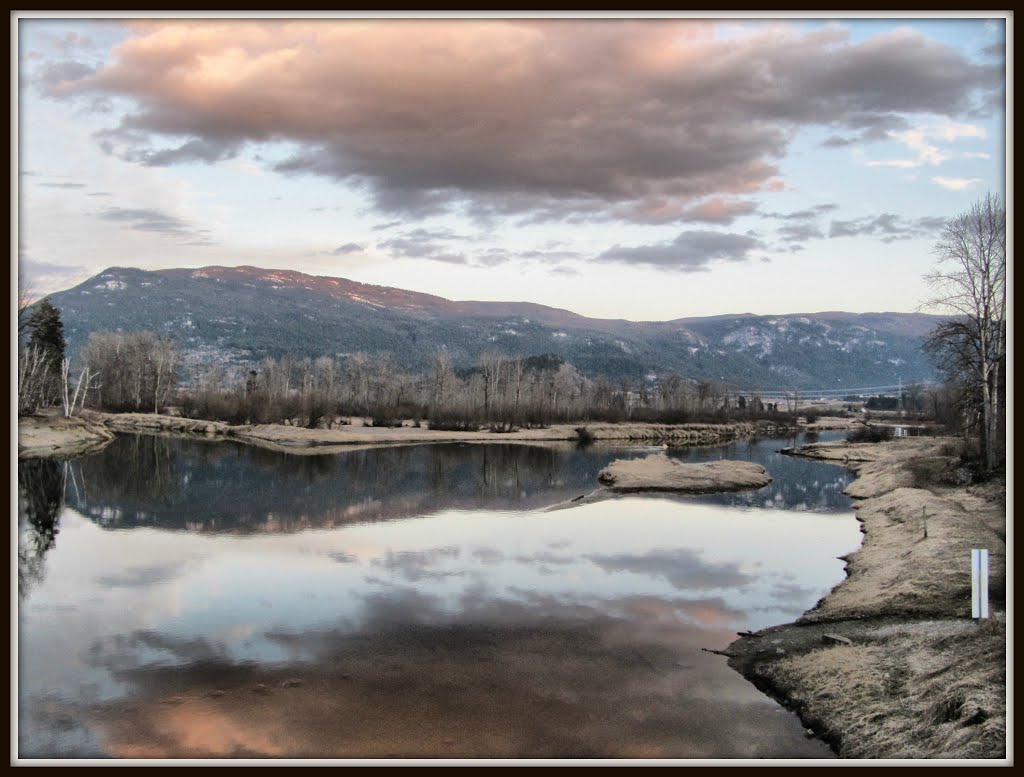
46 337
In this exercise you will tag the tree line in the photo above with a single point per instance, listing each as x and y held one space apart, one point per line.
146 372
500 392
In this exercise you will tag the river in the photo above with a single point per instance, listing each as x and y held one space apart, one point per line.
191 598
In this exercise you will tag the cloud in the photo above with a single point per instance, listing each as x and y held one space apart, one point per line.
151 220
955 184
423 244
718 210
796 233
689 252
135 577
887 227
807 213
920 141
838 141
632 119
43 277
57 79
800 226
348 248
683 568
62 185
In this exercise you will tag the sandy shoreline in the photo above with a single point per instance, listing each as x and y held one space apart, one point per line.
911 675
54 435
46 434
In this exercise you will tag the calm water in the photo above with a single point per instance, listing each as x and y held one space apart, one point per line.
185 598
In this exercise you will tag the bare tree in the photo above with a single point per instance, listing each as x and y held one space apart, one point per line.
442 379
970 285
491 369
84 379
25 299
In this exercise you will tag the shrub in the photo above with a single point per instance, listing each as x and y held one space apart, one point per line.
385 421
584 437
869 433
452 425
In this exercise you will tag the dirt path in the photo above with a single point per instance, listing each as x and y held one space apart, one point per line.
890 663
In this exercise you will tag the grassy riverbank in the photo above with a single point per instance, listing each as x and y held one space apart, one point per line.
912 675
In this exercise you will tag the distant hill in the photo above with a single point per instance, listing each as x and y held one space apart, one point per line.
239 315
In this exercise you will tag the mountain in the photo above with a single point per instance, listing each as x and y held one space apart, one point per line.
239 315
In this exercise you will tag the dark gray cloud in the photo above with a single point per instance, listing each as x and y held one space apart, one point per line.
837 142
795 233
689 252
808 213
553 119
348 248
995 50
55 78
150 220
802 225
423 243
147 220
418 249
888 227
194 150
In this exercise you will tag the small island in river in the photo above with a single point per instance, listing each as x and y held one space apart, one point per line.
660 473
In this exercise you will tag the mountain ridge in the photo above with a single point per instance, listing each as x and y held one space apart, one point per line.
239 315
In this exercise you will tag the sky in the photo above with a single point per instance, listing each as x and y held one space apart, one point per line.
646 169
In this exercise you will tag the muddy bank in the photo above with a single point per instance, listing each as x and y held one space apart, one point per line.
660 473
53 435
890 664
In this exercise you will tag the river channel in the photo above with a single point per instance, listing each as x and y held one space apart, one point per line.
185 598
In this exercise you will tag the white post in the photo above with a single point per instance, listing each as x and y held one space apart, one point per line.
979 583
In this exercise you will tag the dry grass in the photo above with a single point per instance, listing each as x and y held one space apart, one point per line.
900 571
934 684
906 694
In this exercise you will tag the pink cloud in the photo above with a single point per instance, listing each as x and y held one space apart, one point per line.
638 120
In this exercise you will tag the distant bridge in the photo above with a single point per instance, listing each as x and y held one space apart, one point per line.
832 393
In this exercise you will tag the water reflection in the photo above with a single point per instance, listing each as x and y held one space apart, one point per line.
797 484
484 630
40 500
226 487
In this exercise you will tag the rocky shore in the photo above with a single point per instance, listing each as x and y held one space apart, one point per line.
890 663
